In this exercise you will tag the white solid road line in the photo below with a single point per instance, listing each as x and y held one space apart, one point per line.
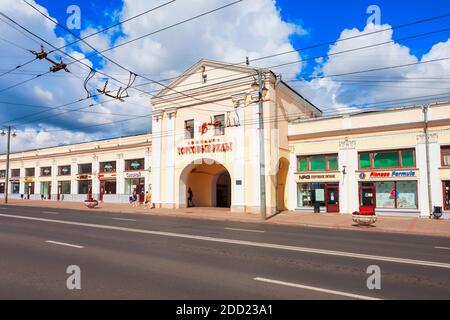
3 208
242 242
51 212
295 285
65 244
443 248
123 219
245 230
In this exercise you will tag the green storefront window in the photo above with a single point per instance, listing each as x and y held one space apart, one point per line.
364 160
408 158
332 163
303 164
386 159
318 163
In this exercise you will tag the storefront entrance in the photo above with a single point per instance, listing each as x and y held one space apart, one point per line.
209 183
135 184
367 196
332 198
29 189
2 187
446 187
223 191
46 190
310 195
107 187
389 195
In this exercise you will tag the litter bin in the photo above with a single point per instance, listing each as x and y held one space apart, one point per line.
316 207
437 212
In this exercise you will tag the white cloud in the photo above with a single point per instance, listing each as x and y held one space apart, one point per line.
365 88
30 139
227 35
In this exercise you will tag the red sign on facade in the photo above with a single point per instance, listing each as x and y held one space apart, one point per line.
205 146
203 129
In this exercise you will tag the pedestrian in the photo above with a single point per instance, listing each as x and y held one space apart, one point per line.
190 197
148 200
134 199
42 197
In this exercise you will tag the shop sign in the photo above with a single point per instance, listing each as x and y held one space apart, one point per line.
135 165
133 175
84 177
317 176
205 146
387 174
106 175
27 180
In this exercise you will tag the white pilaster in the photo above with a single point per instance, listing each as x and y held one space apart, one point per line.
348 188
169 152
21 183
37 182
238 133
422 185
120 177
148 169
252 138
156 157
435 164
54 190
73 179
95 181
291 183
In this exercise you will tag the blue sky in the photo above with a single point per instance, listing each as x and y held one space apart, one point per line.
323 20
255 28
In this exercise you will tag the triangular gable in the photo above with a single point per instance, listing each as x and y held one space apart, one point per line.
195 72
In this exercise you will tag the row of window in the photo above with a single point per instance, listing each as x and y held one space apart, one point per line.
84 187
405 158
105 167
367 160
219 127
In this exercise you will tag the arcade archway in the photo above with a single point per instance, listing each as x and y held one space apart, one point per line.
283 169
210 183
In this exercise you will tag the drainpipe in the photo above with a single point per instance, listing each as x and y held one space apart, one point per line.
425 109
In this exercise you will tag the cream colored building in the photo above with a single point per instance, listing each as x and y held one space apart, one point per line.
106 169
205 145
381 161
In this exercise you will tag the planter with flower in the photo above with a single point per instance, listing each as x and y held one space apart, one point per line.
366 216
91 203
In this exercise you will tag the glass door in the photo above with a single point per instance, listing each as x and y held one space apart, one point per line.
447 195
367 195
332 198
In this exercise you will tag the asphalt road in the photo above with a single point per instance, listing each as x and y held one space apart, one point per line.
132 256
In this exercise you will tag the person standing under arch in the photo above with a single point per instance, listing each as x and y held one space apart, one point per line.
190 197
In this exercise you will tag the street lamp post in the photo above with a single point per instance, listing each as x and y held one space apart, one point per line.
262 92
7 131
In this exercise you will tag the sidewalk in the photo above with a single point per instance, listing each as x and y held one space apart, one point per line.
405 225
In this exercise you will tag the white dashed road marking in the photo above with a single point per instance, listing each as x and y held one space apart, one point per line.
245 230
65 244
242 242
51 212
300 286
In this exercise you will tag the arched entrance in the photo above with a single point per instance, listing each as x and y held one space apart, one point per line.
283 169
210 183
